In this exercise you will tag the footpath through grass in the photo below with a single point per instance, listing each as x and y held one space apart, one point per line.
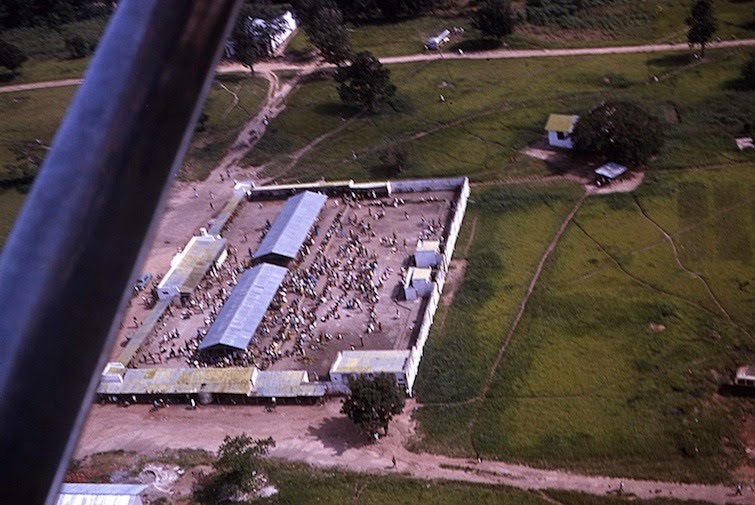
491 110
616 365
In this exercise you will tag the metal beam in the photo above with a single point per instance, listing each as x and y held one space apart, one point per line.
66 269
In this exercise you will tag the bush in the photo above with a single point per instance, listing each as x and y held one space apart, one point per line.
619 131
78 47
394 157
11 57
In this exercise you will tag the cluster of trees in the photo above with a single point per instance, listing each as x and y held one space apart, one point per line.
322 20
387 10
11 57
235 476
494 18
16 13
373 403
250 43
619 131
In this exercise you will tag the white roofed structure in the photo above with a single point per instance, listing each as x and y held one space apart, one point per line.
349 364
101 494
427 253
188 267
291 226
611 170
245 308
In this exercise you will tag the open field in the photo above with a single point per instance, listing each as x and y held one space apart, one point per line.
231 102
616 364
31 115
324 486
615 22
489 115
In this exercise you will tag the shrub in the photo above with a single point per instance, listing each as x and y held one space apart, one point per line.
11 57
78 47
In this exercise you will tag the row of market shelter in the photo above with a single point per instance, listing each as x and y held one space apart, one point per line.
245 308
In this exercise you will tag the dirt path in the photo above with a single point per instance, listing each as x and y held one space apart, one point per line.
267 67
322 437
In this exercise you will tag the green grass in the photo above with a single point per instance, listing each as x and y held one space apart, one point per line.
585 383
493 109
333 486
225 121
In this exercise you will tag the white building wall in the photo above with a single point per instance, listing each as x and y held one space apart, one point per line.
553 140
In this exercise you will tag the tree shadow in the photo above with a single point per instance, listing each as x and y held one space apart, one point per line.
335 109
671 61
339 434
475 45
7 76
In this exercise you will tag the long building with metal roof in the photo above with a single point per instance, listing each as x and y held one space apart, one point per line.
291 226
245 308
190 265
101 494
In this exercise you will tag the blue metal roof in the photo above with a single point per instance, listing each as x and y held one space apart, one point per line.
288 232
244 309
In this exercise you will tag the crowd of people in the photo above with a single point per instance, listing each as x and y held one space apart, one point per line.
321 284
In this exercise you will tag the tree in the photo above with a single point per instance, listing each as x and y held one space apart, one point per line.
251 41
494 18
373 402
11 57
235 470
748 72
702 24
77 46
323 23
365 82
619 131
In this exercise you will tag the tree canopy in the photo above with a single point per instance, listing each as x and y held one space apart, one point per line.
619 131
383 9
323 23
11 57
494 18
373 402
235 474
702 24
365 82
252 42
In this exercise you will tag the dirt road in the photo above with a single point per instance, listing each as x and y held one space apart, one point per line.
273 66
322 437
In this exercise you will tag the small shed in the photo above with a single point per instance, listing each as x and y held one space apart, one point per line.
608 172
438 40
418 283
559 128
427 253
101 494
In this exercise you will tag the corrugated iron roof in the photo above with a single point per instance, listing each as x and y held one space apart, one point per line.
245 308
291 226
100 494
611 170
192 263
428 246
561 123
286 384
388 361
137 381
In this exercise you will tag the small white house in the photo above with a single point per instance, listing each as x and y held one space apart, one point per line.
559 128
418 283
434 43
427 253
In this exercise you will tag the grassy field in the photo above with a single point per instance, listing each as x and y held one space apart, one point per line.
329 486
225 121
616 364
616 22
35 115
493 109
